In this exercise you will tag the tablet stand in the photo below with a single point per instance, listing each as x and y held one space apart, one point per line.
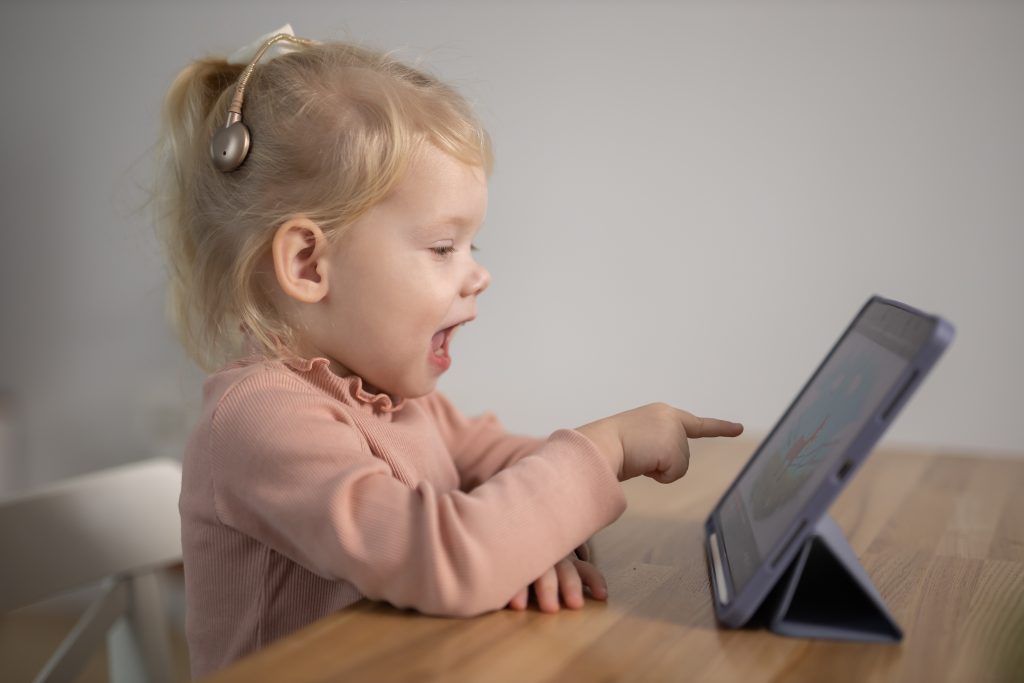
825 593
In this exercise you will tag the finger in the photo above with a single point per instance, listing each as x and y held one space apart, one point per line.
668 476
672 466
585 552
546 589
519 600
699 427
592 577
569 584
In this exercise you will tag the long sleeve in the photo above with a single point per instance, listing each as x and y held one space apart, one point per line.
291 470
480 446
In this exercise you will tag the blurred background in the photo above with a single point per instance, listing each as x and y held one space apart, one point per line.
690 201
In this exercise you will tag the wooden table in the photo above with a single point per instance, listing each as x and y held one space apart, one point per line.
941 535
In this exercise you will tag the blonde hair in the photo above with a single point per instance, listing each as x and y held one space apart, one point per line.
333 128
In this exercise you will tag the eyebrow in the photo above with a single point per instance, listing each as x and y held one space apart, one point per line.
459 222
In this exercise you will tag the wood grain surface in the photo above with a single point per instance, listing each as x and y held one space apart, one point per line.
940 534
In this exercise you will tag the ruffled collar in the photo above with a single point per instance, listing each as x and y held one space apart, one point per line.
348 385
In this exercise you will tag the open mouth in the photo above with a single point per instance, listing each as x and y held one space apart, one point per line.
442 339
440 342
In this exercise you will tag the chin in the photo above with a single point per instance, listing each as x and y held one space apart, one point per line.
404 388
421 389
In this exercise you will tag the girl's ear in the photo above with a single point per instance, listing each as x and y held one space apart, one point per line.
300 252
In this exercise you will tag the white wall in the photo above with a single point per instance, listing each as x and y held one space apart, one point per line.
690 201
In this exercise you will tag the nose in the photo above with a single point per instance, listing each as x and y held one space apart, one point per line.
477 281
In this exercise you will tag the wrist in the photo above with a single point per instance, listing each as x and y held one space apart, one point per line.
607 443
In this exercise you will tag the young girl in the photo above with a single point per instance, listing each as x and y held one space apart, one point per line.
326 250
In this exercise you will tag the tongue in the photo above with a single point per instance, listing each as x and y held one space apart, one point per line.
437 340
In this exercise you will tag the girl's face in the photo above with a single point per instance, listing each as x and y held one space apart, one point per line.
404 273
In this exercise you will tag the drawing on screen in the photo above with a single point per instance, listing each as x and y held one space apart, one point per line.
818 426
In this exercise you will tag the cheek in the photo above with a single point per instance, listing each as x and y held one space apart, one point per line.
401 311
418 291
400 299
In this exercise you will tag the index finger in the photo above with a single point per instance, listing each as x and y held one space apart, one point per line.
698 427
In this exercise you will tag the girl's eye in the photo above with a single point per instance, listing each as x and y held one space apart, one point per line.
450 249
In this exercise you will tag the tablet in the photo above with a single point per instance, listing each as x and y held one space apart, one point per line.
779 500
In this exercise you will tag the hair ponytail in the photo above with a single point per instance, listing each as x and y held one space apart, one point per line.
190 104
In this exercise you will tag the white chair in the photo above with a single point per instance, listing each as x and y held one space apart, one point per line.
119 527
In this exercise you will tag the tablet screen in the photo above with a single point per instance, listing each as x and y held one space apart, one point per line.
806 445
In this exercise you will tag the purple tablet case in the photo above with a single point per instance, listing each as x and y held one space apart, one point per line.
824 591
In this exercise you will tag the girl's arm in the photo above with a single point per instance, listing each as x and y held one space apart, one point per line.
289 469
480 446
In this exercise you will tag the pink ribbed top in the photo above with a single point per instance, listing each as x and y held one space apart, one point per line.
303 493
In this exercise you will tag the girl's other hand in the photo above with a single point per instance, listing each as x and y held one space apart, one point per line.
567 578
